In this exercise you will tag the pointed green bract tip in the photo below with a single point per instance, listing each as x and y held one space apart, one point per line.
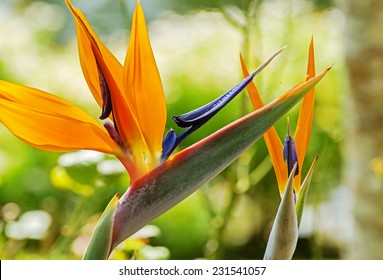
304 191
284 233
100 242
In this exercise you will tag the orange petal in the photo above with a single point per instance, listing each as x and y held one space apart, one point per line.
143 87
87 42
90 45
47 122
272 140
297 179
306 113
88 64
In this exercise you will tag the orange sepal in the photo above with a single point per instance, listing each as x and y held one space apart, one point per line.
143 87
50 123
306 114
272 140
112 70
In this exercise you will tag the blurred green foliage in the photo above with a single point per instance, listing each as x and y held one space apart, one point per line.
196 44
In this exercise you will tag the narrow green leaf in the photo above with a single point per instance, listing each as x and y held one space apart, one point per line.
185 172
100 242
284 233
304 191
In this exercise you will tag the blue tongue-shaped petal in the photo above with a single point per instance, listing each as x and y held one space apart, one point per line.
198 117
290 153
169 142
206 112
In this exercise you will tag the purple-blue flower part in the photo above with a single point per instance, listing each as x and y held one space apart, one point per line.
198 117
290 154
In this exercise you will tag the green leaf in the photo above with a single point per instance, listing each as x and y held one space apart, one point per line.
100 242
304 191
185 172
284 233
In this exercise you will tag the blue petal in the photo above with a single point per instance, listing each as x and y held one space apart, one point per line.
168 144
206 112
198 117
290 154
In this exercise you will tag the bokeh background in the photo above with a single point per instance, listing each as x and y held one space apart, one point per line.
50 202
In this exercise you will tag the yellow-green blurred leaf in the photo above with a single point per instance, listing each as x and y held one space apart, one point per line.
304 191
61 179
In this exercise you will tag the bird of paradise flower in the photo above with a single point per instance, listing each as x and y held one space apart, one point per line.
131 98
283 160
287 159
